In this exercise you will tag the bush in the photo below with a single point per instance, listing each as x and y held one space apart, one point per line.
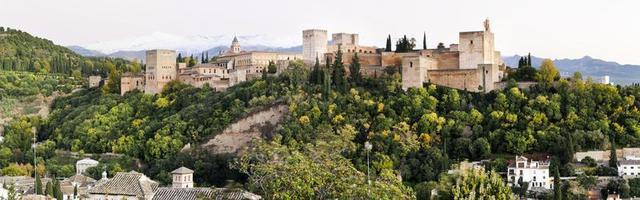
589 161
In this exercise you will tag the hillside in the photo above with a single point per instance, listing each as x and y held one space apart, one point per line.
588 66
21 51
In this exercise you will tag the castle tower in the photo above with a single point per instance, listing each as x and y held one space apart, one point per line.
182 178
235 46
477 47
161 68
314 44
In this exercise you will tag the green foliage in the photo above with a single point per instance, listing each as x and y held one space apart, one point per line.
388 45
38 186
272 68
354 70
20 51
548 72
473 184
405 45
338 75
634 186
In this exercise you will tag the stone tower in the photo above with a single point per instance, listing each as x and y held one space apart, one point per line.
182 178
161 68
235 46
314 44
477 47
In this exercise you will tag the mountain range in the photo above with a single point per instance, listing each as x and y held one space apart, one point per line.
589 67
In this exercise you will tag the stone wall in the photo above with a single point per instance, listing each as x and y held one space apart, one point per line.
468 79
604 155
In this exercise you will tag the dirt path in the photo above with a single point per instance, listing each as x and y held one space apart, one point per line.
240 133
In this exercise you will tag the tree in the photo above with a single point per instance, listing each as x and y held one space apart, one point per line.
75 191
613 156
179 58
339 72
202 58
113 83
548 72
474 184
424 41
404 45
12 194
192 62
206 60
557 193
135 66
354 69
49 189
272 67
529 60
38 186
388 47
316 73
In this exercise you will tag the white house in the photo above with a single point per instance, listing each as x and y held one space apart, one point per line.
536 173
629 167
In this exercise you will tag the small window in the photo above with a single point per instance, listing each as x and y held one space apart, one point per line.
410 64
471 41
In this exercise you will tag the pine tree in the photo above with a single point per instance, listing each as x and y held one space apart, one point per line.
557 193
38 185
388 47
354 69
424 41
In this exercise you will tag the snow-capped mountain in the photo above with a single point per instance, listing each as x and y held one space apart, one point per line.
187 44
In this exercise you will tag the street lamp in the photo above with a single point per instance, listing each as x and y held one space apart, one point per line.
368 147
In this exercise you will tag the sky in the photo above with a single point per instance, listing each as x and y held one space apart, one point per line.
609 30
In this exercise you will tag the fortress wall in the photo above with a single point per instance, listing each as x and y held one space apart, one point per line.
461 79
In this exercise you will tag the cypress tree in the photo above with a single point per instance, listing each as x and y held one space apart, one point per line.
388 47
557 193
75 191
529 59
58 191
354 69
613 157
207 59
179 59
339 72
326 85
38 186
315 74
202 58
49 189
520 62
424 41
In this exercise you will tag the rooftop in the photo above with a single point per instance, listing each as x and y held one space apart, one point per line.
167 193
126 183
182 170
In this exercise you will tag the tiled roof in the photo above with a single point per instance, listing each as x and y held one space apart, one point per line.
167 193
80 179
126 183
182 170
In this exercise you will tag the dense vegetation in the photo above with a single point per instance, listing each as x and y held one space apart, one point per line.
20 51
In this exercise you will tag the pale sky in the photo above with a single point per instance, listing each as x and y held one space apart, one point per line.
608 30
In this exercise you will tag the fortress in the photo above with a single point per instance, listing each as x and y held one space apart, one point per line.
473 64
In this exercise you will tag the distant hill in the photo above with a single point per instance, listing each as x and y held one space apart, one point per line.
20 51
588 66
86 52
140 55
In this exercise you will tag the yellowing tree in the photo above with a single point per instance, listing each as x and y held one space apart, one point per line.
548 72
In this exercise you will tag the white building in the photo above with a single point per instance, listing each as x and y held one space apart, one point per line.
84 164
536 173
629 167
182 178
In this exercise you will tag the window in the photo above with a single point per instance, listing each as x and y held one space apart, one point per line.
520 172
410 64
471 41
